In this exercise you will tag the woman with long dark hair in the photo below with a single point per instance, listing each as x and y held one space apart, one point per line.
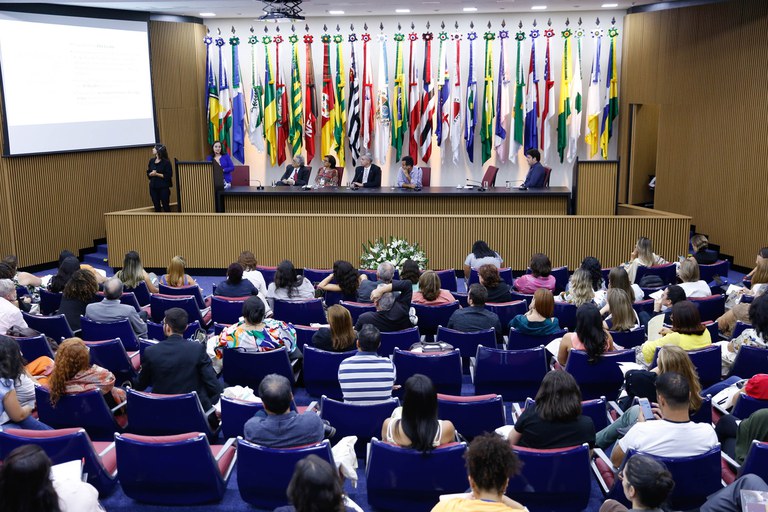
11 374
646 483
347 280
289 285
589 336
160 174
481 255
67 267
221 158
316 487
687 331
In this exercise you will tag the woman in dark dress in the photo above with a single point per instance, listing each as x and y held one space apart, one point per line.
498 290
79 292
160 174
340 334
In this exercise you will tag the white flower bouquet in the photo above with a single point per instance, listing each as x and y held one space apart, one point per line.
396 251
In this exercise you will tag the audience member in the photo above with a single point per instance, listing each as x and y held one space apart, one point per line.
22 374
498 290
693 285
346 281
669 297
736 436
756 336
740 312
133 272
111 310
618 278
10 314
415 425
234 285
475 317
21 278
384 275
539 277
177 365
592 265
78 294
367 378
316 486
590 335
15 410
176 276
255 332
538 321
251 273
392 312
762 255
645 481
327 175
700 244
580 290
289 285
728 499
621 316
642 256
296 174
410 271
100 276
556 420
481 255
340 335
687 331
429 291
67 267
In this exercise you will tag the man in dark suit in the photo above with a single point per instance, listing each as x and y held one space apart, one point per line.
537 174
296 174
367 175
177 365
475 317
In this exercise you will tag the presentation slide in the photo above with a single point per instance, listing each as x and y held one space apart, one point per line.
74 83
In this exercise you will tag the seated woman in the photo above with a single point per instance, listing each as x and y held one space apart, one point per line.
646 482
176 276
98 275
67 267
740 312
328 175
556 420
289 285
17 389
754 337
538 321
419 427
248 261
498 290
589 336
490 464
642 255
621 316
618 278
22 278
133 273
579 289
234 285
687 331
481 255
411 271
429 291
699 243
340 335
762 255
316 486
73 373
258 333
79 292
347 281
539 277
592 265
693 285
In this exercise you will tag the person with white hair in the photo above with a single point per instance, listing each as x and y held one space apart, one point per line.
111 310
367 174
296 174
10 314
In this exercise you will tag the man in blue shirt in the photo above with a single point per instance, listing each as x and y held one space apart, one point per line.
537 174
475 317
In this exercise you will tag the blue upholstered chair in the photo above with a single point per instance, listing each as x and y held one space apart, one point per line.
227 310
321 371
599 378
184 291
153 414
97 331
86 410
519 341
54 326
357 308
247 368
444 368
111 354
710 308
401 339
506 311
49 301
430 317
304 312
472 415
513 374
750 361
34 346
362 421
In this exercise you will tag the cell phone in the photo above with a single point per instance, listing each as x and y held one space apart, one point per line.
645 409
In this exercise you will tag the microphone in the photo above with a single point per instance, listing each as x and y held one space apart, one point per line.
480 187
259 186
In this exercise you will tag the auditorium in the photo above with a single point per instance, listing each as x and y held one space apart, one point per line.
251 235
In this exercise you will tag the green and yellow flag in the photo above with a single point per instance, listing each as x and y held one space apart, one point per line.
564 104
340 107
297 104
400 117
486 127
270 107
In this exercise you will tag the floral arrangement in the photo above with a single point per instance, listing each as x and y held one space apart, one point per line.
396 251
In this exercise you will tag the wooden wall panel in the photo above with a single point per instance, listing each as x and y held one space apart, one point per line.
711 92
195 181
313 240
596 192
645 129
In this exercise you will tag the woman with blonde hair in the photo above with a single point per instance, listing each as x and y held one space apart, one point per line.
622 316
692 283
618 278
699 243
579 288
644 256
176 276
740 312
429 291
340 334
133 272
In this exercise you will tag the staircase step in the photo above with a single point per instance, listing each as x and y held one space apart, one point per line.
101 248
97 258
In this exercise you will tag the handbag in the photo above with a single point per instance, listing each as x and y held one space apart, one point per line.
427 347
18 331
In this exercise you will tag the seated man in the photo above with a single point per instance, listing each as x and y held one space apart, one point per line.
367 175
10 314
384 274
111 310
537 174
178 365
408 176
296 174
367 378
476 317
392 312
676 435
277 426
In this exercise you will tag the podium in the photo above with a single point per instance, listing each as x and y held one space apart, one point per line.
198 186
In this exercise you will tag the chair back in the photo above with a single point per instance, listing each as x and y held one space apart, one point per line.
467 342
490 175
629 339
304 312
155 330
154 414
226 310
304 335
599 378
33 347
566 315
506 311
183 291
430 317
234 414
553 480
404 480
472 415
596 409
561 278
140 291
86 410
65 445
54 326
321 372
710 308
143 344
253 459
447 277
340 170
248 368
241 176
404 339
362 421
704 414
444 368
159 304
462 298
504 273
514 374
528 298
268 273
426 176
357 308
111 354
127 298
520 341
719 268
172 470
708 365
756 462
547 174
747 405
750 361
667 273
644 305
96 331
739 328
315 275
332 298
49 301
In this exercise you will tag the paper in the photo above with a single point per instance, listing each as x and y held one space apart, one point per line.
625 367
657 294
554 346
732 288
72 470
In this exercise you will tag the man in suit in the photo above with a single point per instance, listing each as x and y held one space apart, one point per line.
296 174
178 365
111 310
537 174
367 175
475 317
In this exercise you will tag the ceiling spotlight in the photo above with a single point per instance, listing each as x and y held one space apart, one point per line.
610 5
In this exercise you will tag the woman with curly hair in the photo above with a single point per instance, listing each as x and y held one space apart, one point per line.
346 280
589 336
73 373
429 291
498 290
12 377
133 273
289 285
79 292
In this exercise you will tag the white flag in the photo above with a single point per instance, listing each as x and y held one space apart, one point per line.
594 105
383 113
574 128
256 120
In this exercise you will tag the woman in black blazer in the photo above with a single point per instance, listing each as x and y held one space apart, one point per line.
160 174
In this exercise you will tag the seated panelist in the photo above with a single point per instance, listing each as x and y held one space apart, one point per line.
367 175
296 174
408 176
537 174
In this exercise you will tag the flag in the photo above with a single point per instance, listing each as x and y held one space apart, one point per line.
383 115
213 100
442 130
532 102
270 109
310 108
564 105
519 134
502 104
427 102
400 117
297 104
414 103
470 117
328 102
367 112
225 105
574 127
353 122
456 103
592 136
238 105
283 111
341 107
549 100
486 126
611 107
256 118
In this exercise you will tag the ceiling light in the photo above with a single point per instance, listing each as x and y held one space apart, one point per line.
610 5
335 12
207 14
469 9
538 7
402 11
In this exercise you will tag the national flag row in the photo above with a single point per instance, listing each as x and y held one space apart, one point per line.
356 115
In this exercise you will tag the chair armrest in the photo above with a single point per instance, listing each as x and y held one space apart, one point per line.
118 406
110 447
313 406
516 411
722 410
224 448
613 405
131 355
600 454
223 451
731 462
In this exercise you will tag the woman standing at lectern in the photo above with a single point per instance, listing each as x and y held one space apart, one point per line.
219 156
160 174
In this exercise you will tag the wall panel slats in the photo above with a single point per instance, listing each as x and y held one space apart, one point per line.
596 193
195 180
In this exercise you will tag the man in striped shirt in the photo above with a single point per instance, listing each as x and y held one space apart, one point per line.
367 378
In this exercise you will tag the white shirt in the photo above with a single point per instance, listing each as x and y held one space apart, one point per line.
77 496
10 315
696 289
663 438
365 174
